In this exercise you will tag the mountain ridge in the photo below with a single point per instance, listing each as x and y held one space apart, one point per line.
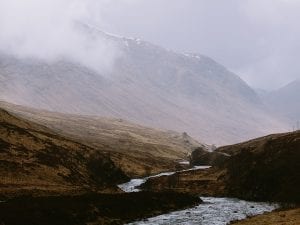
148 85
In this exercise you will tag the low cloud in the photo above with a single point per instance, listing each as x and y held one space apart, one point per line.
257 39
50 30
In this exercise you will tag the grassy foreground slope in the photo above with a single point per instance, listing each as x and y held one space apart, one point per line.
46 178
34 159
282 217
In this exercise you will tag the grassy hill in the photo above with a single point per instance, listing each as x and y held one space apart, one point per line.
137 150
35 159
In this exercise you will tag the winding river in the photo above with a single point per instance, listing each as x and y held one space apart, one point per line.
213 211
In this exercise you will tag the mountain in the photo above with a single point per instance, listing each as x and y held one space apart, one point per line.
148 85
286 102
137 150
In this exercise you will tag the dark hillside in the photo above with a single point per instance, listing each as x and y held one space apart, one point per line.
34 159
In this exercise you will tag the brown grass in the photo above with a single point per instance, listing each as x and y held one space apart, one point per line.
138 150
284 217
33 157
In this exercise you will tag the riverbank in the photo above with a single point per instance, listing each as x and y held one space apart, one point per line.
92 208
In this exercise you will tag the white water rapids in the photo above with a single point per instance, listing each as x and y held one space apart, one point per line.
213 211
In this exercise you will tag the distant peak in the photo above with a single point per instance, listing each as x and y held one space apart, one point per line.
94 28
193 55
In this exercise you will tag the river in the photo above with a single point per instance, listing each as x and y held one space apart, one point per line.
213 211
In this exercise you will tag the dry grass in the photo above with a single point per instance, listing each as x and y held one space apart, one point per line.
33 157
136 149
285 217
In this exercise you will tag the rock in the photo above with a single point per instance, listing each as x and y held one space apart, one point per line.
200 157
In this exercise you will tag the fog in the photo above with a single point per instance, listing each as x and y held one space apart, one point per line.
257 39
52 30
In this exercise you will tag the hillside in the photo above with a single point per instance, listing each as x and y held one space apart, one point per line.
263 169
137 150
35 160
148 85
47 178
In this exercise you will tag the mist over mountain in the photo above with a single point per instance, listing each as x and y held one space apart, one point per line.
285 101
147 84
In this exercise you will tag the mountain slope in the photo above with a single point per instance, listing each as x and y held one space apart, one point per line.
148 85
286 102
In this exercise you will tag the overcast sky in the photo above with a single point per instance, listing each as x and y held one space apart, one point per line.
257 39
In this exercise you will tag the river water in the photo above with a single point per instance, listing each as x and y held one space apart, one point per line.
132 185
213 211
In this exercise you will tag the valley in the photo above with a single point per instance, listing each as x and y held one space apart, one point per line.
99 129
45 167
79 163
